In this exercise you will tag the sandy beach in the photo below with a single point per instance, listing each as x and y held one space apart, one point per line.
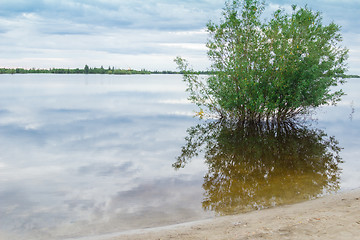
335 216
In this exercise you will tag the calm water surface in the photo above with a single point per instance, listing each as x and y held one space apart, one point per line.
85 155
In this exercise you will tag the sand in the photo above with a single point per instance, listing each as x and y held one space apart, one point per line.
332 217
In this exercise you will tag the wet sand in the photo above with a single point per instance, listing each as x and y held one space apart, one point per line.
332 217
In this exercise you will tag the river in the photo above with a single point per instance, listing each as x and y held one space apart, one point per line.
85 155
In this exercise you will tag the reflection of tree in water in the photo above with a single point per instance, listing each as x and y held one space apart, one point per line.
257 166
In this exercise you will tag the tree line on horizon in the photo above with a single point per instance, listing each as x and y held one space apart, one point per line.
87 70
101 70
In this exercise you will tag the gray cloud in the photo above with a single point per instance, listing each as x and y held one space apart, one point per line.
140 34
179 15
344 13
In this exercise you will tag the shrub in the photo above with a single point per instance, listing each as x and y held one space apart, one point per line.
273 70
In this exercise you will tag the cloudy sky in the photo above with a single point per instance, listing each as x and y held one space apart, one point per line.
133 34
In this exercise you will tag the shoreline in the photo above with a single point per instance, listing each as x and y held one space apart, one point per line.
335 216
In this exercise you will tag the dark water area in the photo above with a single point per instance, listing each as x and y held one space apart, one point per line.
256 166
85 155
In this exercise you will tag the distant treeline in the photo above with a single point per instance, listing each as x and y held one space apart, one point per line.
351 76
86 70
102 70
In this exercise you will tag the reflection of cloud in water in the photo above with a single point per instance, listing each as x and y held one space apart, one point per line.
176 201
154 203
96 133
66 144
72 145
4 112
24 214
102 169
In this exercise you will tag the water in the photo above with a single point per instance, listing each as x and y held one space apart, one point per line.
85 155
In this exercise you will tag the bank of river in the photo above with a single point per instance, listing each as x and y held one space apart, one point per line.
332 217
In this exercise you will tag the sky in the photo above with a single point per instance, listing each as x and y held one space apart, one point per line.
134 34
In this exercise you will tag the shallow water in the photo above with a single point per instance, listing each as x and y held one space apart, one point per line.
84 155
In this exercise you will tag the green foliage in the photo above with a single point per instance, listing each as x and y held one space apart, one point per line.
268 70
86 69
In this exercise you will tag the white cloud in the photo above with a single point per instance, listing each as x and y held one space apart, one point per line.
140 34
191 46
351 41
